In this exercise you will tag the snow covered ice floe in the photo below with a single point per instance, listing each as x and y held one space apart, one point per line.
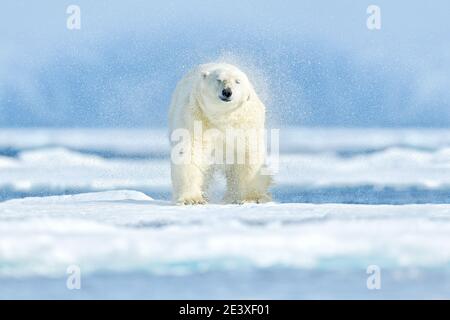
69 160
60 168
127 231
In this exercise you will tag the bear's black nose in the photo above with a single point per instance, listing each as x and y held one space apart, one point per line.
227 92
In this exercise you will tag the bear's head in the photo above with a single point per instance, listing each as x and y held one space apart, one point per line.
223 88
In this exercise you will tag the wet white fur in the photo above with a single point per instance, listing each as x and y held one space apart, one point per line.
196 99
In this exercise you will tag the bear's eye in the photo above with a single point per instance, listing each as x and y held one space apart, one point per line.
238 81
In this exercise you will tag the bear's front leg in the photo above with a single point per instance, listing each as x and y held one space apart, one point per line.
187 182
246 184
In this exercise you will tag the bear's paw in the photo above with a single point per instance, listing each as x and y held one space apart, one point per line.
191 199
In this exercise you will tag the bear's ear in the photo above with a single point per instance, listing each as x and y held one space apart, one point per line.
205 74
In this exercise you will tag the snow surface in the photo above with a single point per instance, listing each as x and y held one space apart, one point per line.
129 231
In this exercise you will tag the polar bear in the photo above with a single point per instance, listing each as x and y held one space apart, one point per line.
217 98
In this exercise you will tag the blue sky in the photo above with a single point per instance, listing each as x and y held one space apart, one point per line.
315 63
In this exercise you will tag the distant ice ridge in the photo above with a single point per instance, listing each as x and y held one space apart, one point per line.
113 140
396 167
129 231
292 139
61 168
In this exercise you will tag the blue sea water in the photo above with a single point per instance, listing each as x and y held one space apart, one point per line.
368 194
273 283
